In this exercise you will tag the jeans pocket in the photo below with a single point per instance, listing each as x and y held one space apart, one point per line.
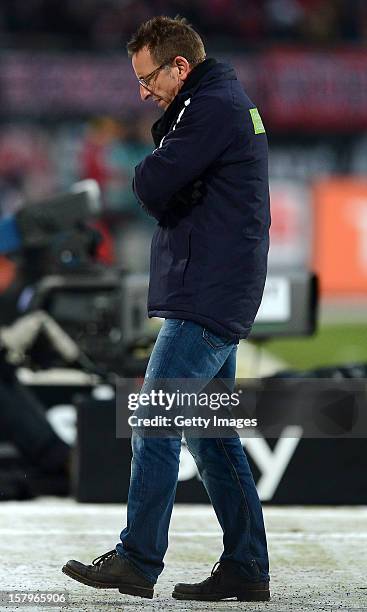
214 340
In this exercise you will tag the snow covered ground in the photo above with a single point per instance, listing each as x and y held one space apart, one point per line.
318 555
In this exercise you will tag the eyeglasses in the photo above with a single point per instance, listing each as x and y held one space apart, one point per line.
144 81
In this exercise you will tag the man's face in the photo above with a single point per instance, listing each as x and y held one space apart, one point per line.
166 81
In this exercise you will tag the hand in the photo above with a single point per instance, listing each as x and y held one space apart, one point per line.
189 195
181 204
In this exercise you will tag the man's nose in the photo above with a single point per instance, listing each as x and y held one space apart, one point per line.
144 93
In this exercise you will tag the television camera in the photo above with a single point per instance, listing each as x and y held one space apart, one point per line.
62 292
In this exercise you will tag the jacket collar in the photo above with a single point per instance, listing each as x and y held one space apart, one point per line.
164 123
196 75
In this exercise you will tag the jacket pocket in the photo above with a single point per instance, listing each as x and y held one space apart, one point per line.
188 256
179 255
155 293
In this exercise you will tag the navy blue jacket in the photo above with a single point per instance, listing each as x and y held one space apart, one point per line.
209 256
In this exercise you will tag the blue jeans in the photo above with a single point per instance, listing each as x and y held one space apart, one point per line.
185 349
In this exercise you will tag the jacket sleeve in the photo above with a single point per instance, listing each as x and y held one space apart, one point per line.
199 139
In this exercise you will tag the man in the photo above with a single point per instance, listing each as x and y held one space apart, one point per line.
206 183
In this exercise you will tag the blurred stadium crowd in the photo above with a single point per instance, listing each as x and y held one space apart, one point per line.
67 116
105 24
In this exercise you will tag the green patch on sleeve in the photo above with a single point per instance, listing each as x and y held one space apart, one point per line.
257 121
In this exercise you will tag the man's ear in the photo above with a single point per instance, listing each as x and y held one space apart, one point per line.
183 67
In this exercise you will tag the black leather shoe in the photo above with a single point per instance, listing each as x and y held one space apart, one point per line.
223 583
111 571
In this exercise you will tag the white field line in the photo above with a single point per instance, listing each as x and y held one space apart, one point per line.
281 535
47 509
285 511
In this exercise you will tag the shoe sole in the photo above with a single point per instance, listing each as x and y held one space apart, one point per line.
124 589
247 596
